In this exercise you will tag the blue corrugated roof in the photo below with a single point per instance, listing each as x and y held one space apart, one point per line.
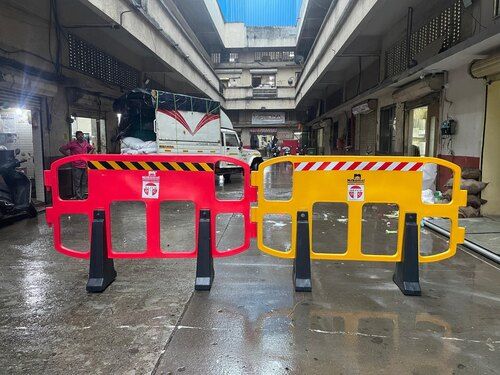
261 12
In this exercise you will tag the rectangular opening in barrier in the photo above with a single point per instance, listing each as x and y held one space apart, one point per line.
329 228
230 231
73 180
177 226
380 228
278 182
75 232
229 183
277 232
432 243
437 185
128 226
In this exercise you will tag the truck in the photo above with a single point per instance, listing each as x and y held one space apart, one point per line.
184 124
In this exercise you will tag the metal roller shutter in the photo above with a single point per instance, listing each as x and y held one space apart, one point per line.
10 98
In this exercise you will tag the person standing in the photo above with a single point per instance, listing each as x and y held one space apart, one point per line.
78 146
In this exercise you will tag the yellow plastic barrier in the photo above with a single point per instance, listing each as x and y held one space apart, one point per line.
356 181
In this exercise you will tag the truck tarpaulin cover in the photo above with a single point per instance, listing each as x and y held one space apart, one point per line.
137 109
178 102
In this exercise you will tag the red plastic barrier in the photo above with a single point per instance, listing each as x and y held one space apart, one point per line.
113 178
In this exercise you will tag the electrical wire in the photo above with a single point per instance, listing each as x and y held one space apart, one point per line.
25 52
475 19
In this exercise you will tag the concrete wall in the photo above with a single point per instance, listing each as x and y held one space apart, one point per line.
338 28
464 101
491 155
25 27
271 37
156 30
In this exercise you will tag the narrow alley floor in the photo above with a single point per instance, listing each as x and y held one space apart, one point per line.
150 320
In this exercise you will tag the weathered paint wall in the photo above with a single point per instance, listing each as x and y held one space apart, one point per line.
464 101
491 155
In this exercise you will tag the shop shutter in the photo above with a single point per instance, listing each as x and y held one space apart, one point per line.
12 99
368 133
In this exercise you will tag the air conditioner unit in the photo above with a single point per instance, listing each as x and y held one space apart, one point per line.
366 107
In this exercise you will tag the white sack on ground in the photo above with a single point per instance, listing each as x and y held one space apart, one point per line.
428 196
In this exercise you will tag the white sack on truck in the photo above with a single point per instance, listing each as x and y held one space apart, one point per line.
135 146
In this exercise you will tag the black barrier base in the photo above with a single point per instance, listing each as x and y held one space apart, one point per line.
205 262
101 269
302 261
406 274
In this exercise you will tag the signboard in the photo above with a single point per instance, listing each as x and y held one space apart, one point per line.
151 186
268 118
263 130
356 189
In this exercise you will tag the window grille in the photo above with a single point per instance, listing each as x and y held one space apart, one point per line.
274 56
216 58
445 26
89 60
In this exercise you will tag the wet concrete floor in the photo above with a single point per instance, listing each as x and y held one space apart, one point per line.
252 322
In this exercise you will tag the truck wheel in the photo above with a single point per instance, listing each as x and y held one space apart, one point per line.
32 212
227 178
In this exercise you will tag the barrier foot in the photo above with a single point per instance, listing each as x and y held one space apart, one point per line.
302 261
205 262
406 274
101 270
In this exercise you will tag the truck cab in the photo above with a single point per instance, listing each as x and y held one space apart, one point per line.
233 147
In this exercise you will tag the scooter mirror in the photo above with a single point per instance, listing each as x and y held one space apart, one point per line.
17 151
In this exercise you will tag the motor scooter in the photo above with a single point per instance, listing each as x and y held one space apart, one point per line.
15 187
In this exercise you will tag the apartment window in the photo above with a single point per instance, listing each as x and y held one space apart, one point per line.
274 56
264 81
215 58
233 57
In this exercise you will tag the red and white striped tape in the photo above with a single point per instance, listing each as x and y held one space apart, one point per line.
359 166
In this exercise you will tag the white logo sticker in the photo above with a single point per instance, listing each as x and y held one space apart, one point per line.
356 193
151 186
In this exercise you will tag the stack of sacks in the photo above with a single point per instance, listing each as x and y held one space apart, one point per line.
471 181
135 146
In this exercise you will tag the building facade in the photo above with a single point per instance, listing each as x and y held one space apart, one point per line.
416 85
368 77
